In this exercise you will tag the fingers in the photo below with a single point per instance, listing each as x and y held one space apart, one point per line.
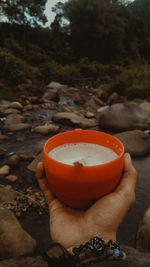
43 183
129 178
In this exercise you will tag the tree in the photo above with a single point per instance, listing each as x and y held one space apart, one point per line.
141 8
26 12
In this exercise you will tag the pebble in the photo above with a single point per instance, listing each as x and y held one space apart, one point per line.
12 178
4 170
14 160
46 129
89 115
16 105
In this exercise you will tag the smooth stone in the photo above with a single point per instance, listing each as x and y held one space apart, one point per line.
123 117
28 107
135 258
16 105
14 240
89 115
46 129
48 106
18 127
87 123
67 118
14 119
4 170
56 85
12 178
143 233
145 105
10 111
32 166
7 195
136 142
14 160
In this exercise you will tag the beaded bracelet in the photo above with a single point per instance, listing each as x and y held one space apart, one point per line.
97 249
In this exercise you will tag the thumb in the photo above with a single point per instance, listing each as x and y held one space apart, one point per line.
129 178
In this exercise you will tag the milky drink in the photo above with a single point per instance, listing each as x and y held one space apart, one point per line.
86 154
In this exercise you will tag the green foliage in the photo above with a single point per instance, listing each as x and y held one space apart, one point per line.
55 71
13 69
132 82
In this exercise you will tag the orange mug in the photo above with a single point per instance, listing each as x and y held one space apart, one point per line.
77 186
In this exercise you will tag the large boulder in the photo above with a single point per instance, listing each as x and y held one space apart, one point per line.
136 258
143 233
136 142
124 116
14 240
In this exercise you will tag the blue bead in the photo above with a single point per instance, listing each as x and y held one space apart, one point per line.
116 252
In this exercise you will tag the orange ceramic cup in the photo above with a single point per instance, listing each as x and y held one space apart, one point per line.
80 186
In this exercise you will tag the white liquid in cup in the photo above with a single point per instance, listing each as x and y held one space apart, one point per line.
87 154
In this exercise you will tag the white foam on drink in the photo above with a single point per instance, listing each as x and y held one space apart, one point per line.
87 154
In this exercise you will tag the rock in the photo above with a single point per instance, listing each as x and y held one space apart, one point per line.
145 105
49 105
14 119
124 116
12 178
136 142
52 94
24 262
2 152
143 233
136 258
46 129
3 137
87 123
18 127
56 85
89 115
28 107
5 103
32 166
10 111
16 105
4 170
67 118
14 160
14 240
6 195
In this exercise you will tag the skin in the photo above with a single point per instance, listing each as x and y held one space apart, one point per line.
72 227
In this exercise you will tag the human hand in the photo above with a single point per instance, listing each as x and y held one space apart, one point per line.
71 227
